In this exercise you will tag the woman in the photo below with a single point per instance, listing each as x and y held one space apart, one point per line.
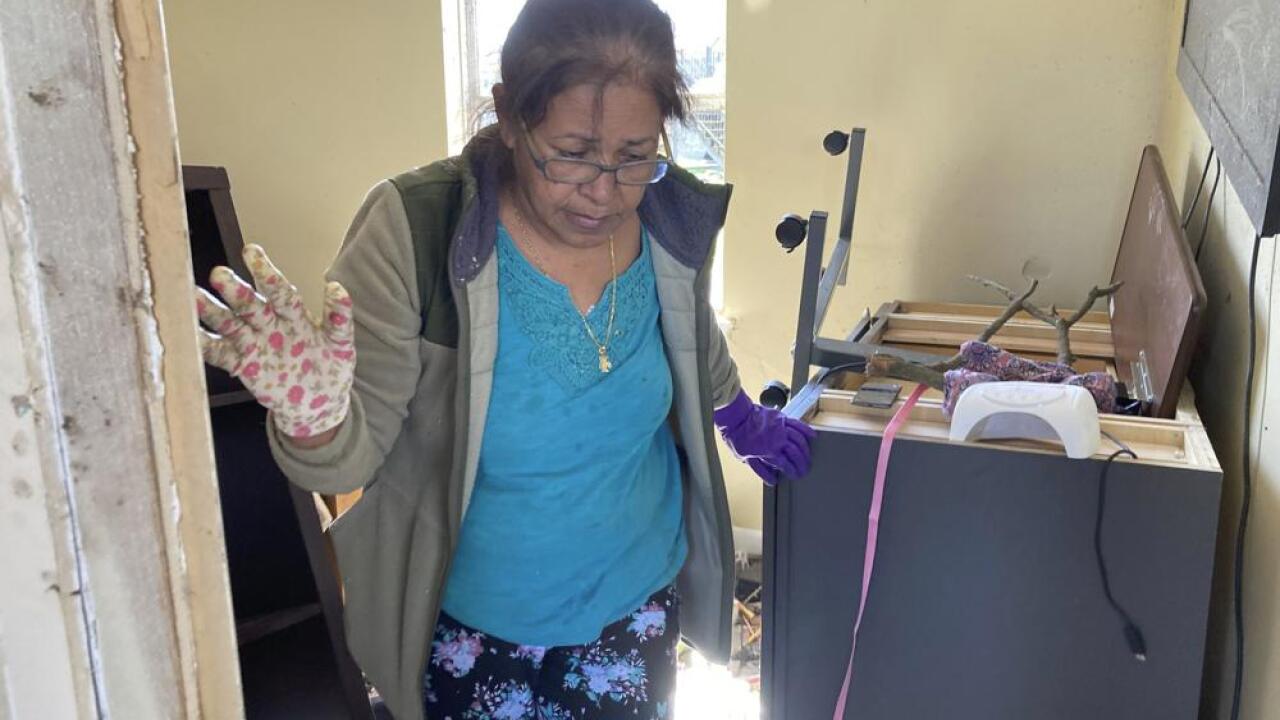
529 416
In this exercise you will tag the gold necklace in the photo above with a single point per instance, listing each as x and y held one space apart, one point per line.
602 348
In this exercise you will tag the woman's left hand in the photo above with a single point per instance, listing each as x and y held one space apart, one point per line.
768 441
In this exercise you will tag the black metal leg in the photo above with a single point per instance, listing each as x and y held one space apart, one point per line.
808 300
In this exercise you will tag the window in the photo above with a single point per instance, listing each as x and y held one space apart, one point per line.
475 29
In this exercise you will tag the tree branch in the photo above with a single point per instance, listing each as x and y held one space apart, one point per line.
1014 306
998 287
881 365
1040 313
933 374
1094 295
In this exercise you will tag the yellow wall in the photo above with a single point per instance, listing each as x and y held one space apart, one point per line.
996 131
307 105
1219 377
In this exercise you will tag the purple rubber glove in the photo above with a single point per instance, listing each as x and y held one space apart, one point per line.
768 441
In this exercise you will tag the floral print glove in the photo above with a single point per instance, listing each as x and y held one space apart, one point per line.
299 368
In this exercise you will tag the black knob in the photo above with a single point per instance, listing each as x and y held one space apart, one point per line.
774 395
791 231
835 142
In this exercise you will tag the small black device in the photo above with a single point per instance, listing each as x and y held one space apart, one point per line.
877 395
835 142
775 394
791 231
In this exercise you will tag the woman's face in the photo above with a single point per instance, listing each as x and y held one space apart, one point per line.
620 125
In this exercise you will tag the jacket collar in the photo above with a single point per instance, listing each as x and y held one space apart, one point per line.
682 213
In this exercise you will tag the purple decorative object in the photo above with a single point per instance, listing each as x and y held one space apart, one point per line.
768 441
983 362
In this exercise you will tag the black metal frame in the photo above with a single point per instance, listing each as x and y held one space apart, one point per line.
811 349
817 289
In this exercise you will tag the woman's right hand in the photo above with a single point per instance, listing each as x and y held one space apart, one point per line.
298 368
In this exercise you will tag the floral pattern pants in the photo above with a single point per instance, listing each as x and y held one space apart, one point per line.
628 672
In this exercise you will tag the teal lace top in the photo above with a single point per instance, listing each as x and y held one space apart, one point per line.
576 516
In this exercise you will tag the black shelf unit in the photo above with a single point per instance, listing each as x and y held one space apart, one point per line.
283 580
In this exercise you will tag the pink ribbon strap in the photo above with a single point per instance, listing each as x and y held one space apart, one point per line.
873 531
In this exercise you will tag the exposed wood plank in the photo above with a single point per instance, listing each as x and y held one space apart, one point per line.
1013 344
1084 364
973 326
924 327
197 549
991 311
1198 440
881 319
1159 442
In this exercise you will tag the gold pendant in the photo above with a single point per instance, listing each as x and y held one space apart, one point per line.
605 364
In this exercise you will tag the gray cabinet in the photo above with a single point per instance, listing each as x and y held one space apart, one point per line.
986 600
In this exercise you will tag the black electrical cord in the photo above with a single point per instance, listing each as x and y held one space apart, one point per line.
859 365
1199 189
1247 482
1208 211
1132 634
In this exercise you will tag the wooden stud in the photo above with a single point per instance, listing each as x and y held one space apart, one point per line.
990 311
972 326
1012 344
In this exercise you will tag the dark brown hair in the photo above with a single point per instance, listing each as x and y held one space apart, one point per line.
558 44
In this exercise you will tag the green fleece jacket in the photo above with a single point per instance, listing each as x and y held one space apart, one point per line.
419 263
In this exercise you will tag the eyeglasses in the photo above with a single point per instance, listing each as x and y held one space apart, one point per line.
572 171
